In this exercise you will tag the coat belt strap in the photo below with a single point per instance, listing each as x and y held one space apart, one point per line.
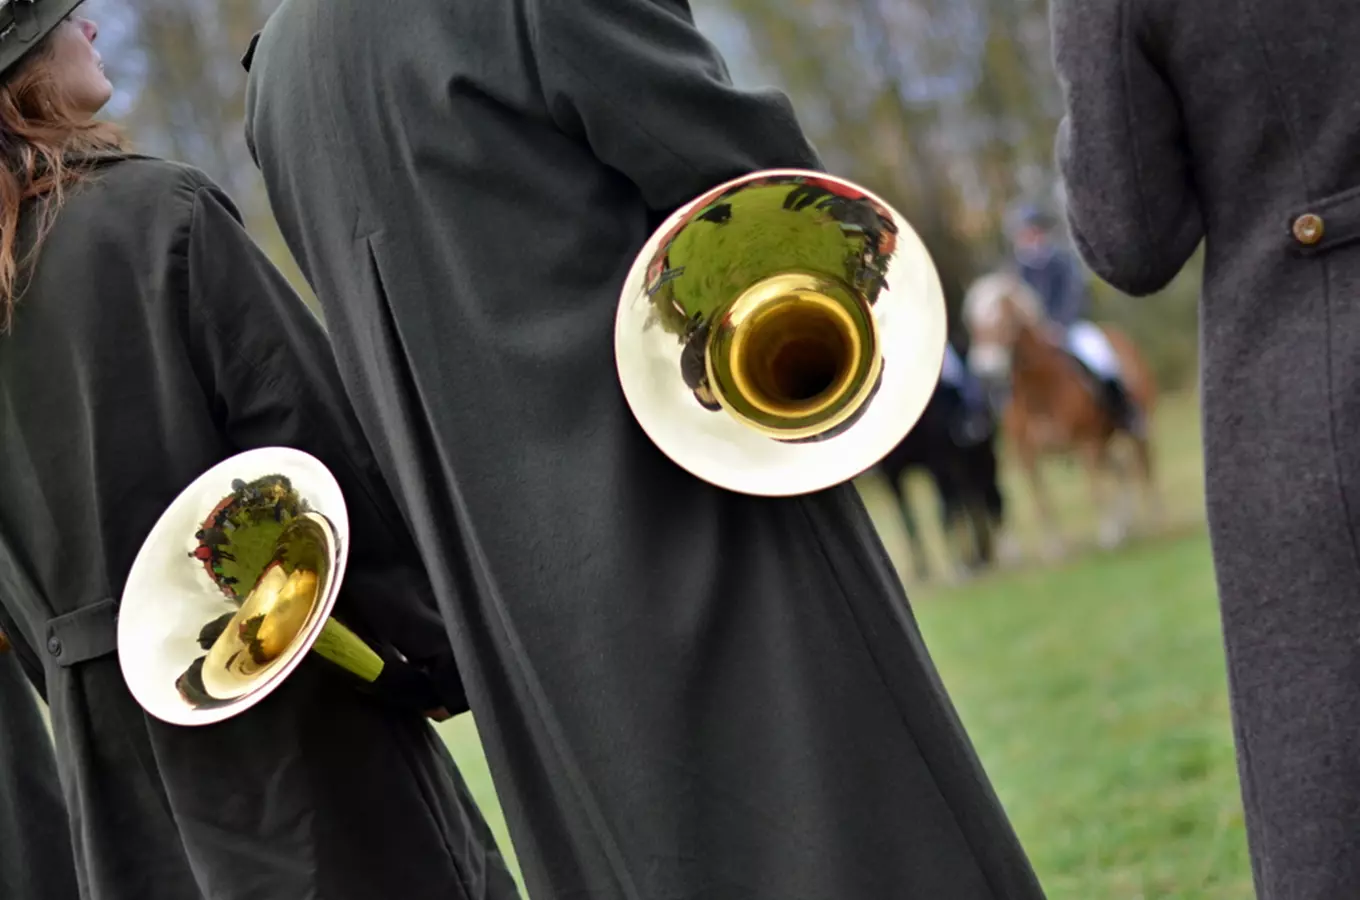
88 633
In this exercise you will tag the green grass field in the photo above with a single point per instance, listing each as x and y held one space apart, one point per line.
1094 690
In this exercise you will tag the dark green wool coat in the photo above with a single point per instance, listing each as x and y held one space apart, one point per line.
153 341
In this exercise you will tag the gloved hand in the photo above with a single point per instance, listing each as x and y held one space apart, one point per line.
433 688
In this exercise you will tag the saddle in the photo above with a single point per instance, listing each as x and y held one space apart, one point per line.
1089 377
1112 394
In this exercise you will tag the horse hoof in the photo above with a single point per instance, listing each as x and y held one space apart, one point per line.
1111 535
1008 550
1156 517
960 574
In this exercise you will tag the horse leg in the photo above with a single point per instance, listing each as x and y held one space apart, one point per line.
971 466
990 504
994 505
947 487
1127 501
915 546
1098 461
1029 463
955 546
1152 498
985 532
981 552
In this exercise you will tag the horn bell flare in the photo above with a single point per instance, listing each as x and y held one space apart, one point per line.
780 334
170 602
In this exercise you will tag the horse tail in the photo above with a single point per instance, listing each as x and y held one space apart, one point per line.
1138 378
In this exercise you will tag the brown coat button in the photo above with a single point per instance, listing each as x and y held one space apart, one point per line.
1308 228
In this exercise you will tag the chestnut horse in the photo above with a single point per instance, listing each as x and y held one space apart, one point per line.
1054 405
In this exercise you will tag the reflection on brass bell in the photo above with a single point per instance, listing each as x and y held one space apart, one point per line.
781 333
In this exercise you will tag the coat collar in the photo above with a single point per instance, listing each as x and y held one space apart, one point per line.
103 157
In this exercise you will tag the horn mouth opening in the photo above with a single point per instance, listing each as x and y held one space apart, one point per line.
282 604
794 356
274 560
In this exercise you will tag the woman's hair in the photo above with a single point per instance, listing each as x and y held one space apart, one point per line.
42 141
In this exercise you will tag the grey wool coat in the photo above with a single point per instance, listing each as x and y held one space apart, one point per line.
684 693
1238 121
154 340
35 841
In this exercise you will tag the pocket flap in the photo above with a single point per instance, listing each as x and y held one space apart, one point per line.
1325 224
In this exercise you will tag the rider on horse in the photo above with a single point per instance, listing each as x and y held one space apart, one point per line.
1055 274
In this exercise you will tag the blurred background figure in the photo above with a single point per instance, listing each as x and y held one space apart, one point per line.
1056 274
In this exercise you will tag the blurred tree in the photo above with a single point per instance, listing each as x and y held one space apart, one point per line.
181 94
182 89
868 107
947 108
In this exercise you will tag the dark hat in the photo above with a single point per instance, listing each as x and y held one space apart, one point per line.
23 25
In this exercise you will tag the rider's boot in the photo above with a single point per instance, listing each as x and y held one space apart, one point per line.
1127 415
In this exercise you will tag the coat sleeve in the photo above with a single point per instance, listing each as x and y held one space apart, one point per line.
652 97
271 378
1122 149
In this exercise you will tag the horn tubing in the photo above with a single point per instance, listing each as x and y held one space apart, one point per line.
347 650
791 332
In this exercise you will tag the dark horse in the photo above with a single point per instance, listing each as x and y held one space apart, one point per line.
955 442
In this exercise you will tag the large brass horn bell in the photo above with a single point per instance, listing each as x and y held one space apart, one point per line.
781 333
235 585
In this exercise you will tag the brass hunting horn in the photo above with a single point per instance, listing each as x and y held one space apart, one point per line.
780 333
235 584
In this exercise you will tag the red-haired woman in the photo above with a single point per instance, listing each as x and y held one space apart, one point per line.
145 338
